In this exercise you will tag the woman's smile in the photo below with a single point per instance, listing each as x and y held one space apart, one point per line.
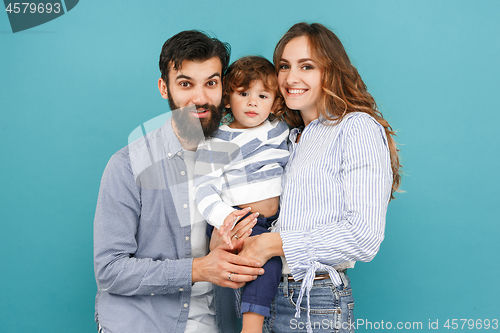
299 78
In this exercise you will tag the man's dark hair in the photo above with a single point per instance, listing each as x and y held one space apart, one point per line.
192 45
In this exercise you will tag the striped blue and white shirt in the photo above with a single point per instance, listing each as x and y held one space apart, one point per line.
337 185
239 166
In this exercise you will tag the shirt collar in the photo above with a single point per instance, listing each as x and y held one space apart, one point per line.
171 142
293 134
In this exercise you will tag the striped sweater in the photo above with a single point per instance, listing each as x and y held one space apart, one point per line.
239 166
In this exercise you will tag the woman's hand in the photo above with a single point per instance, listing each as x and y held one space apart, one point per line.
262 247
240 231
229 223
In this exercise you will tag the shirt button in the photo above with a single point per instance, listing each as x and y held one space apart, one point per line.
179 153
185 206
169 154
183 173
152 294
186 305
187 238
181 289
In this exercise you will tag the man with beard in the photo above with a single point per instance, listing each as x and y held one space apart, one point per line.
151 260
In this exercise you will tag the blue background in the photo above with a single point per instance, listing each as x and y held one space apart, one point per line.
73 89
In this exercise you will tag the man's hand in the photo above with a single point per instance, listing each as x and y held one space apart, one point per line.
226 269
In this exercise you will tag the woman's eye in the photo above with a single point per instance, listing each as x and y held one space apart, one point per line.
283 67
307 67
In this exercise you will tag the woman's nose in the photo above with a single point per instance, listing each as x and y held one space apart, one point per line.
292 77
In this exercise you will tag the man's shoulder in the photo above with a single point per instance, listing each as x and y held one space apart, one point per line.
144 151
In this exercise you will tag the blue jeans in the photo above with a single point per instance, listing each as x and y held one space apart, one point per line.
331 308
256 295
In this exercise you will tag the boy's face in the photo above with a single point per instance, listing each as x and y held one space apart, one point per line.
252 106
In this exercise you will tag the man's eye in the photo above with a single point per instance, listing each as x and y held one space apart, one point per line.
184 84
211 83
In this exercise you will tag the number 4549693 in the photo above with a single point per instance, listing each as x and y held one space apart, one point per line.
471 324
26 7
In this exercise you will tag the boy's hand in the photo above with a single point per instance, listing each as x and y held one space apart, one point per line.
229 223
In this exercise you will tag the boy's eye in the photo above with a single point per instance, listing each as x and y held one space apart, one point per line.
243 94
263 96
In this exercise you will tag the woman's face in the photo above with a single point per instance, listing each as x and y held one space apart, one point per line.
299 78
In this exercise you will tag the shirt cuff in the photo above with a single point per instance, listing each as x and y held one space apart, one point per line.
179 275
219 214
299 251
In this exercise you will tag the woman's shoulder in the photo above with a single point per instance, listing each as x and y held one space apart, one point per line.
360 119
358 116
361 126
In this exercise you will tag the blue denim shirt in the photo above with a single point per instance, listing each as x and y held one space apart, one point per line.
142 239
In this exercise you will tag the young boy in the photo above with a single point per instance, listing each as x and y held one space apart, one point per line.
241 169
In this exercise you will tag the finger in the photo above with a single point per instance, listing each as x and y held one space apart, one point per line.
242 228
241 212
247 222
237 214
245 273
239 260
232 218
227 240
241 278
232 285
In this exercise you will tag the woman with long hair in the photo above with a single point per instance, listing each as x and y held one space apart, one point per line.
342 173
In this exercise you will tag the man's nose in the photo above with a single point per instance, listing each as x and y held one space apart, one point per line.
199 96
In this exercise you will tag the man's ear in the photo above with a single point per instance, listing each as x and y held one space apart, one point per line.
162 86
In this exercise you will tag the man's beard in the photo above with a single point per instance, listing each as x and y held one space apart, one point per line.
192 130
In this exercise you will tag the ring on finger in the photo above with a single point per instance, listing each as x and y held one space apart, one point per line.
229 277
236 236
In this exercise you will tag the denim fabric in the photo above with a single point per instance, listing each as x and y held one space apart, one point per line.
225 311
257 295
331 308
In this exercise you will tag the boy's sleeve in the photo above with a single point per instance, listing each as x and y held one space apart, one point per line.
212 161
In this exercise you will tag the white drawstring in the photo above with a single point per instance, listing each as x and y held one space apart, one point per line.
307 284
